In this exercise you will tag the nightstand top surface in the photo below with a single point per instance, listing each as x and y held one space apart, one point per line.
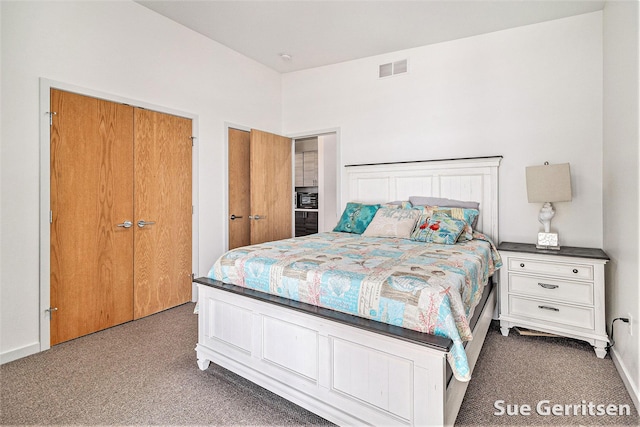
569 251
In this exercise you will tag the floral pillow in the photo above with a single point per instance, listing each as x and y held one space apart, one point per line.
393 222
440 228
426 212
467 215
356 218
447 203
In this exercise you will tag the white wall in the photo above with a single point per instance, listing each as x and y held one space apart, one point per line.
124 49
532 94
621 181
328 180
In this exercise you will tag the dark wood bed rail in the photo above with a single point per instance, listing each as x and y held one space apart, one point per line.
420 338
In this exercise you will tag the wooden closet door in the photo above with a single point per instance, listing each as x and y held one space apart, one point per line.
162 248
271 187
91 193
239 189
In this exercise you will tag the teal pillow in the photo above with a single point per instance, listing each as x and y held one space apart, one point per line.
440 228
356 218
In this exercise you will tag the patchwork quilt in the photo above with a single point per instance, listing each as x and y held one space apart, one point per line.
427 287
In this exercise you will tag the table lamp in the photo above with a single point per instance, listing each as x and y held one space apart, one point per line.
547 184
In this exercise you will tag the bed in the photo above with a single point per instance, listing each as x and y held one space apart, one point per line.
348 363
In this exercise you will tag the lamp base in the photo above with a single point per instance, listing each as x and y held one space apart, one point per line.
548 241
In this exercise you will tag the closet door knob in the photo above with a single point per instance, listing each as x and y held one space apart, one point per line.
234 217
142 223
126 224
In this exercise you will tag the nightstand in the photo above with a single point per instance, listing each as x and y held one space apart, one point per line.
555 291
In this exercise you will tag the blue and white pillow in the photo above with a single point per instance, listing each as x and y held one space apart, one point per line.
440 228
469 216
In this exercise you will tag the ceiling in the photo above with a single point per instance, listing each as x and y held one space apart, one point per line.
322 32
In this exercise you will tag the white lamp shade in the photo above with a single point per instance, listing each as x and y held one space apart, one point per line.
549 183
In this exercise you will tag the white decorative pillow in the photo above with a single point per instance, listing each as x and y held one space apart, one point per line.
390 222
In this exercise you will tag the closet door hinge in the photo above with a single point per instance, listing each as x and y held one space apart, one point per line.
50 217
51 114
193 140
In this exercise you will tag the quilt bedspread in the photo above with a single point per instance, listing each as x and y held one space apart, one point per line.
426 287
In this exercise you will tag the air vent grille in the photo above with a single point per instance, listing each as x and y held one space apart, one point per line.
392 68
386 70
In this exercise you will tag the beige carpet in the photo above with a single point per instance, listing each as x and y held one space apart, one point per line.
532 370
145 373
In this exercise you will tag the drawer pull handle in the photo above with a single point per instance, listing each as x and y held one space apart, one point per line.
546 307
522 264
548 286
575 270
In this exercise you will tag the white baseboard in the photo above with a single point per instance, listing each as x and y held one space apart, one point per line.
18 353
626 378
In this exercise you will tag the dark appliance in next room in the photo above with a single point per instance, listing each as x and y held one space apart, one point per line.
307 201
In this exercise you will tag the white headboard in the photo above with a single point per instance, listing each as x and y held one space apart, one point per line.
473 179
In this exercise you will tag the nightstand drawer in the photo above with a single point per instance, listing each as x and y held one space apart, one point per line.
574 271
552 312
573 292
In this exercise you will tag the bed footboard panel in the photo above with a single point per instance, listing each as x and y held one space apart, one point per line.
347 375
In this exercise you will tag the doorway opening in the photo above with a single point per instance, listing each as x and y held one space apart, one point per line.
316 183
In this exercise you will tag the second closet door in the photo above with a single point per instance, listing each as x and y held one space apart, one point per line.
260 187
271 186
162 211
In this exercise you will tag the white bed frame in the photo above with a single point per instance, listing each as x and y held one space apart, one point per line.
347 374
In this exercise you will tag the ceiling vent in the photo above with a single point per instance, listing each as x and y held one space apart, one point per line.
392 68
